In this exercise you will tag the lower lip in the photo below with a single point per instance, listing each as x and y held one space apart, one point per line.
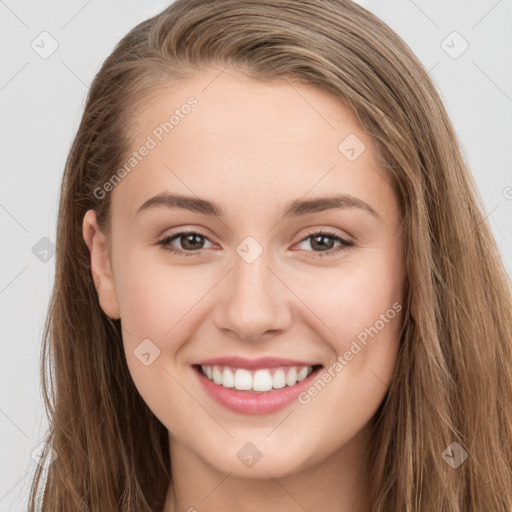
244 402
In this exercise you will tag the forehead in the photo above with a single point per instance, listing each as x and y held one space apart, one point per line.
222 134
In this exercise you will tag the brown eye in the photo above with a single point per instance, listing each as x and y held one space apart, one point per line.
191 243
322 243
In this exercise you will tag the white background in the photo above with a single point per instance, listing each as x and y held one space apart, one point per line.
41 101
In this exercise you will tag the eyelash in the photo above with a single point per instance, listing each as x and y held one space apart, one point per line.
345 244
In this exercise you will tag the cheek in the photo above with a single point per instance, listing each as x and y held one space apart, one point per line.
356 302
361 303
159 305
156 304
363 308
155 298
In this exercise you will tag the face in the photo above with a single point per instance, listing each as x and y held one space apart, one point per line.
225 253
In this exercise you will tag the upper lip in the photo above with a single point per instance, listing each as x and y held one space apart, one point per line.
254 364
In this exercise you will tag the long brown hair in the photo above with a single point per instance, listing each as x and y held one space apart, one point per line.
453 378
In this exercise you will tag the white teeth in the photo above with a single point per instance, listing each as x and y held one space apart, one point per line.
243 379
291 378
228 379
259 380
279 379
262 381
217 376
302 374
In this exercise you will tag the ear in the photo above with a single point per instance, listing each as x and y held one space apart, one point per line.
100 265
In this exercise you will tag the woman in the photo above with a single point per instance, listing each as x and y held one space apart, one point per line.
340 336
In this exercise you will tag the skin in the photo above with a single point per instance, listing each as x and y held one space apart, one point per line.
252 148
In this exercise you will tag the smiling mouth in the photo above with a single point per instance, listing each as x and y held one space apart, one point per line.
256 381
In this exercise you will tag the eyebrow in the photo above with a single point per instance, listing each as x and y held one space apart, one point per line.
295 208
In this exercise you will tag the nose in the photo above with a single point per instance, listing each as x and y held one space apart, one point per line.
254 302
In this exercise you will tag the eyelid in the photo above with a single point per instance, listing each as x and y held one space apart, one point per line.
186 230
326 231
